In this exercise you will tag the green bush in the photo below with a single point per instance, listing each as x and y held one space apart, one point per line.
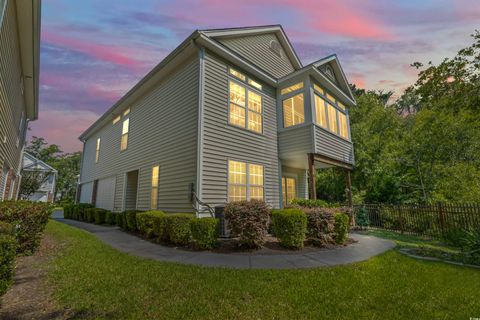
67 211
131 220
341 227
6 228
290 227
178 228
309 203
204 232
29 219
151 223
120 220
8 248
110 217
248 220
89 215
361 218
99 215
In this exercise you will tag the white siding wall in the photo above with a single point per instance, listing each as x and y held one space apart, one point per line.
106 193
163 131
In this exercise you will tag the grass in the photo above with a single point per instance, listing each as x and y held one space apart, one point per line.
100 282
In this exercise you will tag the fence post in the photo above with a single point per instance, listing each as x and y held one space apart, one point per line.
441 216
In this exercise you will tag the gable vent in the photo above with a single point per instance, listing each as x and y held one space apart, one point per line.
276 48
329 72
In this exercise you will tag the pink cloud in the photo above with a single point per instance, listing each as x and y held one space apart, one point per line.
54 125
98 51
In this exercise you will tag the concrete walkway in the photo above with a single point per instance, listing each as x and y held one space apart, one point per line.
365 248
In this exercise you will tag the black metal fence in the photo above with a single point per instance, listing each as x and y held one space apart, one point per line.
430 220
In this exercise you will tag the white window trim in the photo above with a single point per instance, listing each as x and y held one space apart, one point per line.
328 102
247 110
247 179
288 96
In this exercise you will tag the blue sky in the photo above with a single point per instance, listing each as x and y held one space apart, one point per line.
92 52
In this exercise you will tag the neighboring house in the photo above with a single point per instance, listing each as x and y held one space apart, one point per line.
46 191
230 114
19 62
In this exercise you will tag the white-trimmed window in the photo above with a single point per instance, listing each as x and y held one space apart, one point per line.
245 107
293 111
124 139
126 112
320 111
292 88
116 119
289 190
154 191
326 104
97 150
245 181
342 125
332 118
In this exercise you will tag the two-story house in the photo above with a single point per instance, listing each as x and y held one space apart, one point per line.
19 67
230 114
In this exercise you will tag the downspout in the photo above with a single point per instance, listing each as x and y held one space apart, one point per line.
201 83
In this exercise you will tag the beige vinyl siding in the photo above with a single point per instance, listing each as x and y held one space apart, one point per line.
223 142
333 146
163 131
256 49
12 103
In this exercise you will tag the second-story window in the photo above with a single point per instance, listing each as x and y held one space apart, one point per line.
124 139
97 150
293 111
245 107
326 104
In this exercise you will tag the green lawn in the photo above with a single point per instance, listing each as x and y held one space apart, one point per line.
100 282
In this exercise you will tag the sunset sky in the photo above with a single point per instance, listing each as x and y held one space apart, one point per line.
92 52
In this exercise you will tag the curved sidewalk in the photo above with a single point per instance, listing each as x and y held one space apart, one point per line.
365 248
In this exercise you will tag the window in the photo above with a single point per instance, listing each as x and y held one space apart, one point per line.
240 115
237 74
320 111
292 88
255 84
289 190
319 89
332 118
126 112
116 119
342 124
154 191
245 181
97 150
293 111
331 98
340 105
2 9
124 140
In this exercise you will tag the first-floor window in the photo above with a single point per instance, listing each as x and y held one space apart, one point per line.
154 191
289 190
245 181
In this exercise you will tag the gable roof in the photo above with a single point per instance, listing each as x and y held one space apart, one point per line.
32 163
338 70
257 30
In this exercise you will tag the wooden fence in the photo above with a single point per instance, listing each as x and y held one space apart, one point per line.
430 220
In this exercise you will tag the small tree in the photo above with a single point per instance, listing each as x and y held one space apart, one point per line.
32 180
362 218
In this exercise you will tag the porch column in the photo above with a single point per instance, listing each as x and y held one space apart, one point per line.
348 188
311 177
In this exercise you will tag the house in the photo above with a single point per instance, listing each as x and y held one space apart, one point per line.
230 114
19 62
36 169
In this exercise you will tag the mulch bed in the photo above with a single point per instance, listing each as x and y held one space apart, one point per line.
30 297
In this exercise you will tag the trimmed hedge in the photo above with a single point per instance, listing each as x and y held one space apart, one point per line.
29 219
8 248
341 227
6 228
151 223
204 232
99 215
248 220
110 217
120 220
178 228
290 227
309 203
90 215
131 220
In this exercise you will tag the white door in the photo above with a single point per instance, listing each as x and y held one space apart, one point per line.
86 192
105 193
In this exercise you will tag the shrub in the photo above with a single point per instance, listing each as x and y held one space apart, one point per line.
99 215
120 220
131 220
341 227
7 259
248 220
290 227
204 232
320 225
6 228
361 218
110 217
90 215
151 223
178 228
67 211
29 219
309 203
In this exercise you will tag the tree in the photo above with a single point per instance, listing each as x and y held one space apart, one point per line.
41 150
32 180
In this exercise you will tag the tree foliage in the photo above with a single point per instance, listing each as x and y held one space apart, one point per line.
425 146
